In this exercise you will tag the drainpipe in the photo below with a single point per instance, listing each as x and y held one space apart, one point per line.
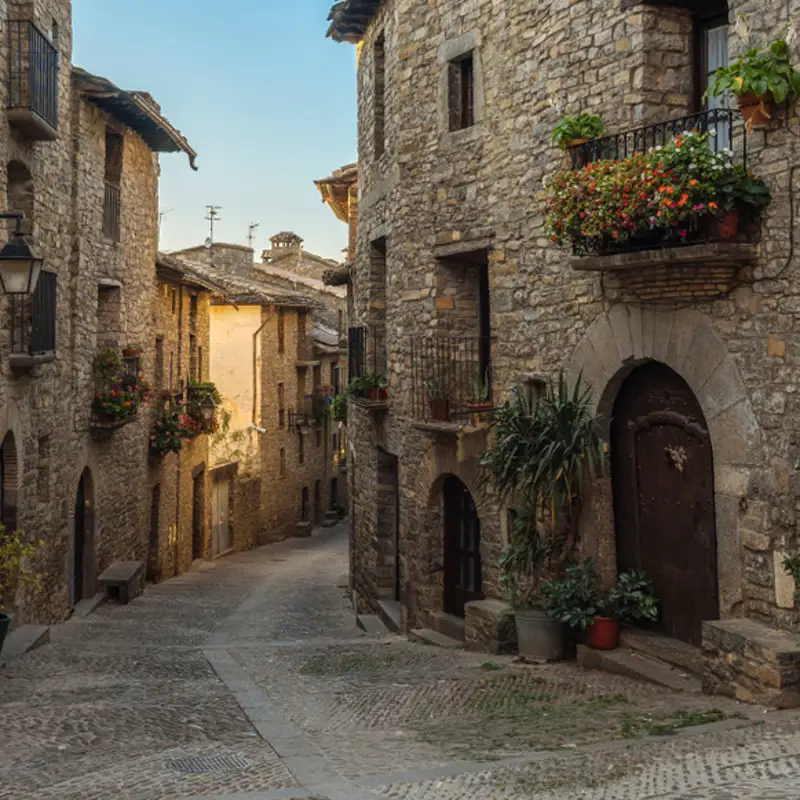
255 368
178 455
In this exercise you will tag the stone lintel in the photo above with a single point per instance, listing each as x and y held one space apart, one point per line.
712 254
374 406
464 247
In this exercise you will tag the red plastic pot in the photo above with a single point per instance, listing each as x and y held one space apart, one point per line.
603 633
383 393
372 393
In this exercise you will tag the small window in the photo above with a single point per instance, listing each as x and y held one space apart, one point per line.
710 53
319 437
281 332
282 462
112 203
55 34
301 450
461 93
281 406
174 295
193 371
379 58
159 370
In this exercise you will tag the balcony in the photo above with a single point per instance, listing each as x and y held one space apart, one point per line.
33 324
112 211
310 412
451 380
367 367
33 82
669 206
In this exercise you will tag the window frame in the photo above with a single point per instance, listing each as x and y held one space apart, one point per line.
702 23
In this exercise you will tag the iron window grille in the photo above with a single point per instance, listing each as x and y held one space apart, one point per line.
33 71
33 318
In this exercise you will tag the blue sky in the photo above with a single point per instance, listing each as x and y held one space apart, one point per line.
263 97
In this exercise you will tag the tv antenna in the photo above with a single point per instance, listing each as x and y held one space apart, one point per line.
212 217
162 214
251 233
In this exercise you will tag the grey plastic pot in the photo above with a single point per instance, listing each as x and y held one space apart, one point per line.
5 624
539 636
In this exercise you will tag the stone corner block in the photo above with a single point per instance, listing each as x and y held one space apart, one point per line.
489 626
752 662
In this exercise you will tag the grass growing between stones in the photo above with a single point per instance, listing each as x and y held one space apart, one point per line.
632 726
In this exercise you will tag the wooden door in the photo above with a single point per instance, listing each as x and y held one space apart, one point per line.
663 478
462 540
220 534
79 550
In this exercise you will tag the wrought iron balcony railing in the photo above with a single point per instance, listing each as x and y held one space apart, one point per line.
366 352
33 319
726 124
33 80
112 212
451 377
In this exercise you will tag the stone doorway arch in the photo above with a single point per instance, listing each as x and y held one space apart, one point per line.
628 336
83 572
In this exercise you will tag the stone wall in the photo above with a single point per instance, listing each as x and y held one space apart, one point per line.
235 259
436 193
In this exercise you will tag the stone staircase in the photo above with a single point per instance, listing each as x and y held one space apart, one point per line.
649 657
447 631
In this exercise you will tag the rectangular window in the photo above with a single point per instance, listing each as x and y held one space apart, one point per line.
281 406
379 60
301 449
281 332
112 204
282 463
319 437
710 53
461 93
317 377
158 377
193 357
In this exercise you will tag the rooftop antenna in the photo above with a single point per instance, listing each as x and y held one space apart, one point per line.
251 233
212 217
162 214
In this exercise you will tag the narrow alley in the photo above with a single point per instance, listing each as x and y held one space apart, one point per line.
248 678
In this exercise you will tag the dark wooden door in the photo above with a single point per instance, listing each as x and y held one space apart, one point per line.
663 477
79 555
198 516
462 542
152 553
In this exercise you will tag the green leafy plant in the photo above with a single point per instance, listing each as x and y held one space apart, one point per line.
632 599
168 432
736 188
791 563
582 126
118 396
17 554
759 72
540 455
338 406
436 388
577 598
229 444
107 366
361 385
199 394
480 389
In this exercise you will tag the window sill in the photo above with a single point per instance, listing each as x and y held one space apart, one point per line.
370 405
26 361
465 136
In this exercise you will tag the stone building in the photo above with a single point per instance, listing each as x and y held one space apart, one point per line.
457 103
81 161
181 491
275 368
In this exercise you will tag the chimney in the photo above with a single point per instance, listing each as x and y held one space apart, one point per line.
284 245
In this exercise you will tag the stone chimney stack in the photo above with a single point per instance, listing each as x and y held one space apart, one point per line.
287 246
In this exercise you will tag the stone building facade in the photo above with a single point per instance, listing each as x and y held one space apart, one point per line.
275 369
451 243
80 158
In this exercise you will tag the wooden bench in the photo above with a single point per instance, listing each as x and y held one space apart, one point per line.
123 581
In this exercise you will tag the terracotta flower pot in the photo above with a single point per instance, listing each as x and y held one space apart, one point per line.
383 393
372 393
131 352
440 410
756 109
727 225
603 633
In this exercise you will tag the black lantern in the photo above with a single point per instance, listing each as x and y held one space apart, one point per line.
207 410
19 265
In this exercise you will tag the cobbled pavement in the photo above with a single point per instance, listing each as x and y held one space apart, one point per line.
247 678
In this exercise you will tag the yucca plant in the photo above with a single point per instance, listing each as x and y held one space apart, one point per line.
541 454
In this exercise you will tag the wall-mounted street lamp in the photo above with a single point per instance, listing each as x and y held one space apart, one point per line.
19 265
207 409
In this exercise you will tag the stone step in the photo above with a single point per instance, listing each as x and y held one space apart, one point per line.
371 623
22 640
679 654
633 664
449 625
391 614
303 530
428 636
85 607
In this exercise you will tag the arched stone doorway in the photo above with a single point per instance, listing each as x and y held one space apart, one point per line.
83 575
463 573
663 489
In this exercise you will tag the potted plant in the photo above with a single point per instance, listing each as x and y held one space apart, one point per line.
576 130
167 433
16 572
579 602
540 457
479 396
757 79
338 406
738 192
438 394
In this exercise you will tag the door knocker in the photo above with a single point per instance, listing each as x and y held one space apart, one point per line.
676 456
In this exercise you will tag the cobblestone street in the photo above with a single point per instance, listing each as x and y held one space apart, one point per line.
247 678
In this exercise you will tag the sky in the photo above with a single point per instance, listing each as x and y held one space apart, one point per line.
268 103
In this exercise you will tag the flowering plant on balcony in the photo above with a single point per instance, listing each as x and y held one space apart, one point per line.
168 432
667 194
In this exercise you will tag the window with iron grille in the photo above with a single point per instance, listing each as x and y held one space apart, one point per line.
33 318
112 205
